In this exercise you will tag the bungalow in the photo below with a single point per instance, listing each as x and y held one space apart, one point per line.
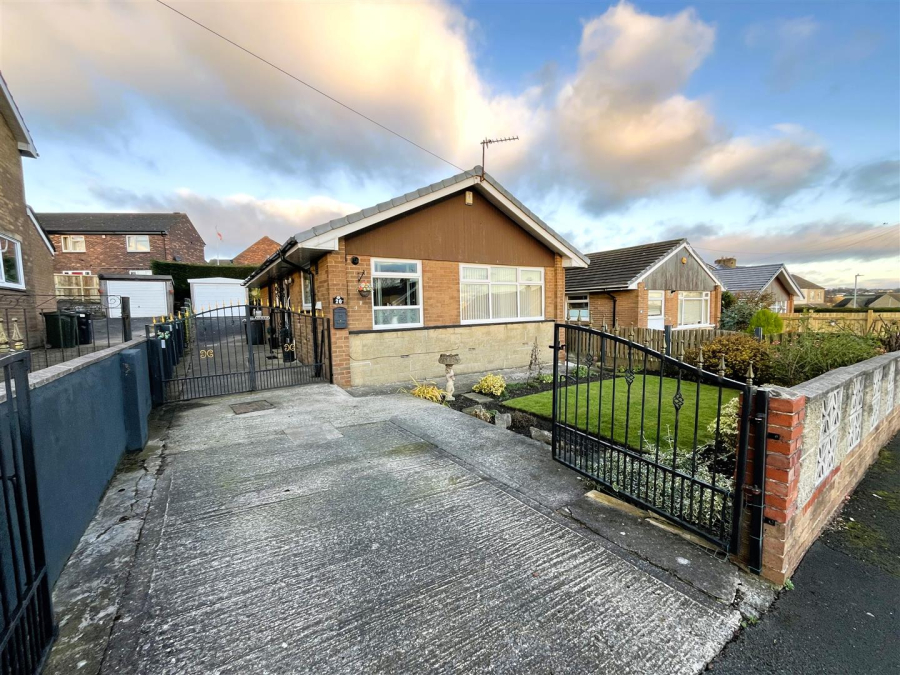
460 266
649 286
759 279
871 301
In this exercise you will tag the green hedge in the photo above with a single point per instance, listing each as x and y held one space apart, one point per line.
181 272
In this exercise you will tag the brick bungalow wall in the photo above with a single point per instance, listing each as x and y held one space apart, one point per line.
397 355
830 431
631 308
37 261
108 253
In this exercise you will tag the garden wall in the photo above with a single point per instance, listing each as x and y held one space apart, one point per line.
85 414
830 430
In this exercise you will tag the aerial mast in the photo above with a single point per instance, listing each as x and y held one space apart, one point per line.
488 141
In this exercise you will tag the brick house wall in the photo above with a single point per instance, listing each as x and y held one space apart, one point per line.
37 261
108 253
631 308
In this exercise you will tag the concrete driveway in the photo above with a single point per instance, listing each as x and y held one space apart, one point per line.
342 535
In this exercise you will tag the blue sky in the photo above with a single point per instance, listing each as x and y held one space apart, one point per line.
767 131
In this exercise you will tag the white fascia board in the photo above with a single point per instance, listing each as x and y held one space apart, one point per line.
783 272
685 246
525 221
40 230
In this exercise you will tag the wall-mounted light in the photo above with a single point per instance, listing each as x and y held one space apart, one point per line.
470 198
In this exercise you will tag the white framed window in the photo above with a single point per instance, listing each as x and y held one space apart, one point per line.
780 307
140 273
306 290
73 243
137 243
396 293
11 274
655 301
693 308
491 293
578 308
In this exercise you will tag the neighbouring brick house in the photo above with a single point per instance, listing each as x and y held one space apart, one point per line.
460 266
91 244
650 286
257 253
813 294
759 279
26 254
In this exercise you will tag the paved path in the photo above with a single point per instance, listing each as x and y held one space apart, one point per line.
332 534
843 615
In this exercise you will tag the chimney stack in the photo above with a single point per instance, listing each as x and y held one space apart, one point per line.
729 263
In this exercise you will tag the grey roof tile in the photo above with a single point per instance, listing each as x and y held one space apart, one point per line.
748 278
353 217
398 201
616 269
64 223
369 211
384 206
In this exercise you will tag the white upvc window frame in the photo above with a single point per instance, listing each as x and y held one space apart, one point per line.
19 285
488 283
706 301
397 275
583 298
71 239
129 238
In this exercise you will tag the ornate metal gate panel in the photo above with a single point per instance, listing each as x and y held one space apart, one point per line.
654 430
238 348
27 631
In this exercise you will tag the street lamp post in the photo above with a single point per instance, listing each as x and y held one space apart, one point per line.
855 280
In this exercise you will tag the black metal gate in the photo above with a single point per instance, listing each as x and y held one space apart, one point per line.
238 348
28 629
654 430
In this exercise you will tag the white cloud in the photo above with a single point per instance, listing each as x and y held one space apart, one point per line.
619 128
240 218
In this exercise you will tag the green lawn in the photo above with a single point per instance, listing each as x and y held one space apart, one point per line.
542 405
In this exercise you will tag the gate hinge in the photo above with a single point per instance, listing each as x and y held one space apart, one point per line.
773 436
752 490
554 346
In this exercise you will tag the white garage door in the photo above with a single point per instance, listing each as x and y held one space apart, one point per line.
148 298
208 295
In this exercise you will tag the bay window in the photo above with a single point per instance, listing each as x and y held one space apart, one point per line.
693 308
396 293
489 293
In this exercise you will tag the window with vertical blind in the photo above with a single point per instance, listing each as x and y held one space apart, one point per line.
693 308
489 293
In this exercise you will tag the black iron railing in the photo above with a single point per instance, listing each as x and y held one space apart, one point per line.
652 429
28 630
58 329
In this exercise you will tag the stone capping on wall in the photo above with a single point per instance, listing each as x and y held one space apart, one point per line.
48 375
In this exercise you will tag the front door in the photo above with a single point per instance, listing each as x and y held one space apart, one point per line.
656 309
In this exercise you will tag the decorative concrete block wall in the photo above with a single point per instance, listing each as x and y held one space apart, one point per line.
830 430
386 357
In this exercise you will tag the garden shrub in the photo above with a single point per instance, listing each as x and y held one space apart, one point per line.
491 384
809 354
768 320
739 352
428 391
743 306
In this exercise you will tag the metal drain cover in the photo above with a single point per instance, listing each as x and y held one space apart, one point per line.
251 406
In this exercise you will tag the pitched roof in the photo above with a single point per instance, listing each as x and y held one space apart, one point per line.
257 252
806 283
10 112
864 300
618 268
755 278
105 223
316 237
